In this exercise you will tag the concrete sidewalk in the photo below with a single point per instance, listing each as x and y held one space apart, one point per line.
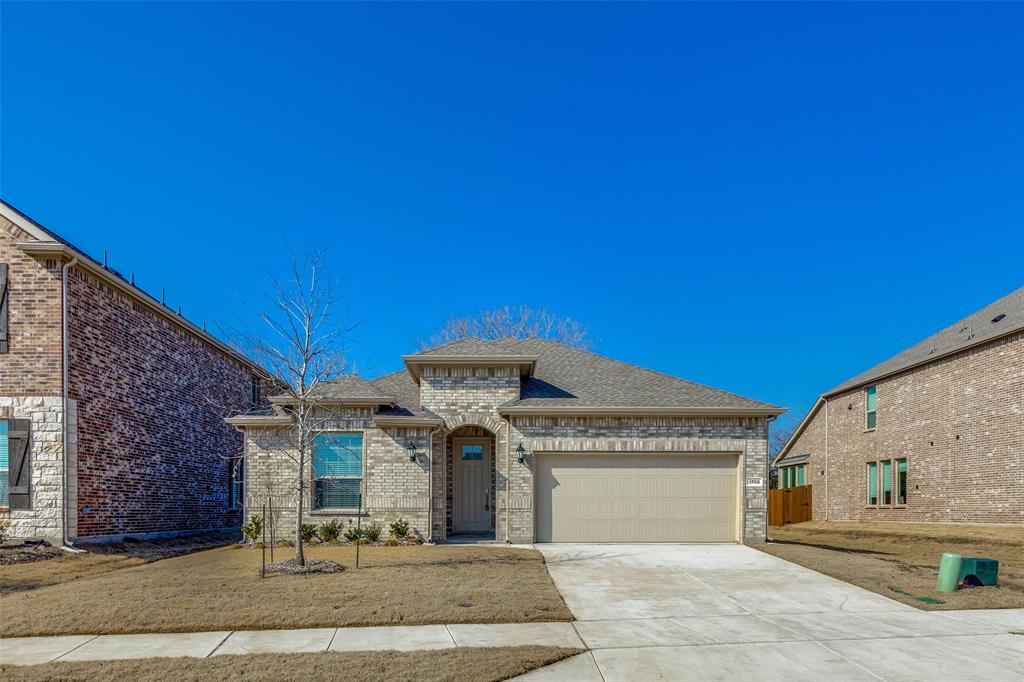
33 650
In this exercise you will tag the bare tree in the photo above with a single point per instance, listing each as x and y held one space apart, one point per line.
521 322
300 338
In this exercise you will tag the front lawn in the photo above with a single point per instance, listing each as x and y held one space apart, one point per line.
220 589
447 665
901 560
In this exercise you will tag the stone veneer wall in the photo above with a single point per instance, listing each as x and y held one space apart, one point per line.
959 422
745 436
46 438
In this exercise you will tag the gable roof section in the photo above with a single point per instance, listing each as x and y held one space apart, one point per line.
996 320
469 351
351 388
973 330
51 245
569 380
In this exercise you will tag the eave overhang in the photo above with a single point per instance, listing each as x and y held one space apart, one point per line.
413 363
540 411
57 250
408 421
371 401
267 420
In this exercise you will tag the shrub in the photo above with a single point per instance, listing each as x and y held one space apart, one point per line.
5 530
391 542
285 543
400 529
372 533
354 534
414 540
330 531
308 531
254 529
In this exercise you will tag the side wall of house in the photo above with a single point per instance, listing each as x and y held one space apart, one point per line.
153 449
958 421
31 376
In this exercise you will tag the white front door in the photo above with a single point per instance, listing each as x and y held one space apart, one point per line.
472 485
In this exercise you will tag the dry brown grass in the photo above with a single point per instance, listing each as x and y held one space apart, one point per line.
447 665
221 589
897 558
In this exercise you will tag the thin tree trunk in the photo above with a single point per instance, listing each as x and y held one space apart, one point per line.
300 554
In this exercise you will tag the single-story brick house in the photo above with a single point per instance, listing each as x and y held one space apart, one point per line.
524 441
111 403
933 434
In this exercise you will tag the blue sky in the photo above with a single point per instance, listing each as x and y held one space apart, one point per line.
764 198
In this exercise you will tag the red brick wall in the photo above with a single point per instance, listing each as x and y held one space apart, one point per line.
151 399
33 364
958 421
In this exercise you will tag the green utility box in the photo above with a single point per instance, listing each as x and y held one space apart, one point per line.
985 570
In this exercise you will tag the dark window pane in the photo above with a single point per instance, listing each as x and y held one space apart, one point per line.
472 452
336 493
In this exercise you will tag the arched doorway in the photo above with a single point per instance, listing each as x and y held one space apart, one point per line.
470 473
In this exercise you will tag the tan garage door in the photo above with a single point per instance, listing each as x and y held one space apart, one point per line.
636 498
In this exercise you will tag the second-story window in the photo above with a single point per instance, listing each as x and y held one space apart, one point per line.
870 407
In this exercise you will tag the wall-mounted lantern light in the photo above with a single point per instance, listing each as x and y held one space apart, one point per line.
411 449
520 453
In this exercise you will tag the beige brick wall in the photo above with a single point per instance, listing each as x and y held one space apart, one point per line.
393 487
468 399
746 437
958 421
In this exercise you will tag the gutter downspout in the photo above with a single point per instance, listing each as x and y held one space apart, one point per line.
430 487
508 481
767 477
827 473
64 539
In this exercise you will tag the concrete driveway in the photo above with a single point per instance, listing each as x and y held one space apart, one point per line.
729 612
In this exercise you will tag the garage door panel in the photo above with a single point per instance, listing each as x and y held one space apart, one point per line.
636 498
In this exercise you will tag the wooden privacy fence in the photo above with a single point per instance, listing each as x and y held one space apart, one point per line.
790 505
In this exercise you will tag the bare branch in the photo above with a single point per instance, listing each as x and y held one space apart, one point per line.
505 322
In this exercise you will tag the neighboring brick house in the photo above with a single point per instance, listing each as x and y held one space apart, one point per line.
125 437
934 434
523 441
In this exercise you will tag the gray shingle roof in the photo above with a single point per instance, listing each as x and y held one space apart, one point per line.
350 386
567 377
470 346
406 393
972 330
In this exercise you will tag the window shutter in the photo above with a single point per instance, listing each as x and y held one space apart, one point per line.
19 464
3 308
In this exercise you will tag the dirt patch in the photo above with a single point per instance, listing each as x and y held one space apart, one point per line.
309 566
221 589
26 554
63 567
448 665
901 561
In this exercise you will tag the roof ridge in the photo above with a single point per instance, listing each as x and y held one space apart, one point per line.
451 343
649 371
